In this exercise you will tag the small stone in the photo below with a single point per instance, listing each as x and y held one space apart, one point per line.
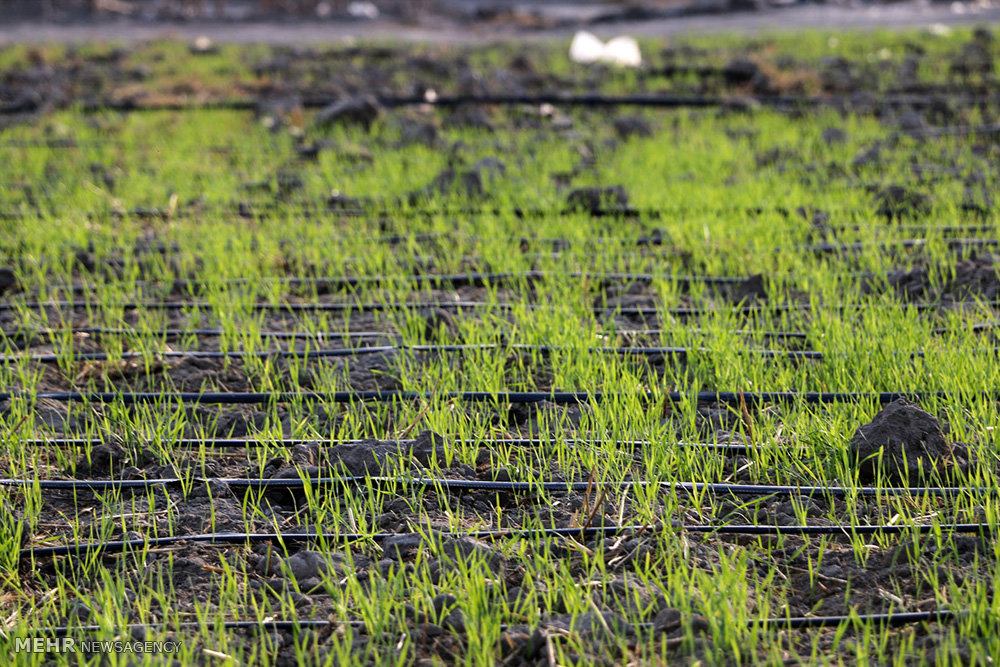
402 547
596 200
363 110
8 281
627 127
895 201
834 135
667 620
312 565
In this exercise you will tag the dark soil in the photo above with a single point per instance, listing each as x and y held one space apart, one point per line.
904 445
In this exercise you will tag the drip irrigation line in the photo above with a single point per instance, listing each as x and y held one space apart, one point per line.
460 485
594 100
183 333
545 350
309 355
472 279
902 243
267 209
755 398
322 335
371 307
978 326
85 549
245 443
889 620
394 101
795 335
787 622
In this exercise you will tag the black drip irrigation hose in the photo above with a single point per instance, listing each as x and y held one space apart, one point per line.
892 619
24 336
307 355
794 335
472 279
554 98
245 443
84 549
822 248
371 307
462 485
197 333
596 100
514 397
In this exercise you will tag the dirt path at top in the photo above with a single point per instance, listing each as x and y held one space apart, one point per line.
895 16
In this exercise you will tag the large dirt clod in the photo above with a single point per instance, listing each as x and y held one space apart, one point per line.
904 443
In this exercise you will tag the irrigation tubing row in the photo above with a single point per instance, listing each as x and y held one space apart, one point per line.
27 335
892 619
458 485
545 350
471 279
84 549
554 98
536 99
245 443
821 248
307 209
371 307
729 448
184 333
308 355
513 397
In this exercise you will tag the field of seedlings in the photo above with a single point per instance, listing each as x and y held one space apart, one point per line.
436 354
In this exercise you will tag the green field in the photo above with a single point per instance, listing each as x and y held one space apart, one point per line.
837 240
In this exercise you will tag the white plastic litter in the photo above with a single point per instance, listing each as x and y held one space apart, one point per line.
363 10
587 48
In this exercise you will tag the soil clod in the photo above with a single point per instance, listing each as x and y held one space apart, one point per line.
598 200
363 110
903 444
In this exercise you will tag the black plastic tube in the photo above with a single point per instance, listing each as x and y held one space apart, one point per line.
515 397
458 485
22 335
243 443
594 100
120 546
227 443
452 280
306 355
371 307
896 619
198 333
556 98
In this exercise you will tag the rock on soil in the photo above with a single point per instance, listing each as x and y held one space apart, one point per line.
8 280
911 442
362 110
467 183
632 126
596 200
895 201
375 457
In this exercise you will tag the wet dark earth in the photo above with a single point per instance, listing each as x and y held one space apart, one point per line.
915 239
